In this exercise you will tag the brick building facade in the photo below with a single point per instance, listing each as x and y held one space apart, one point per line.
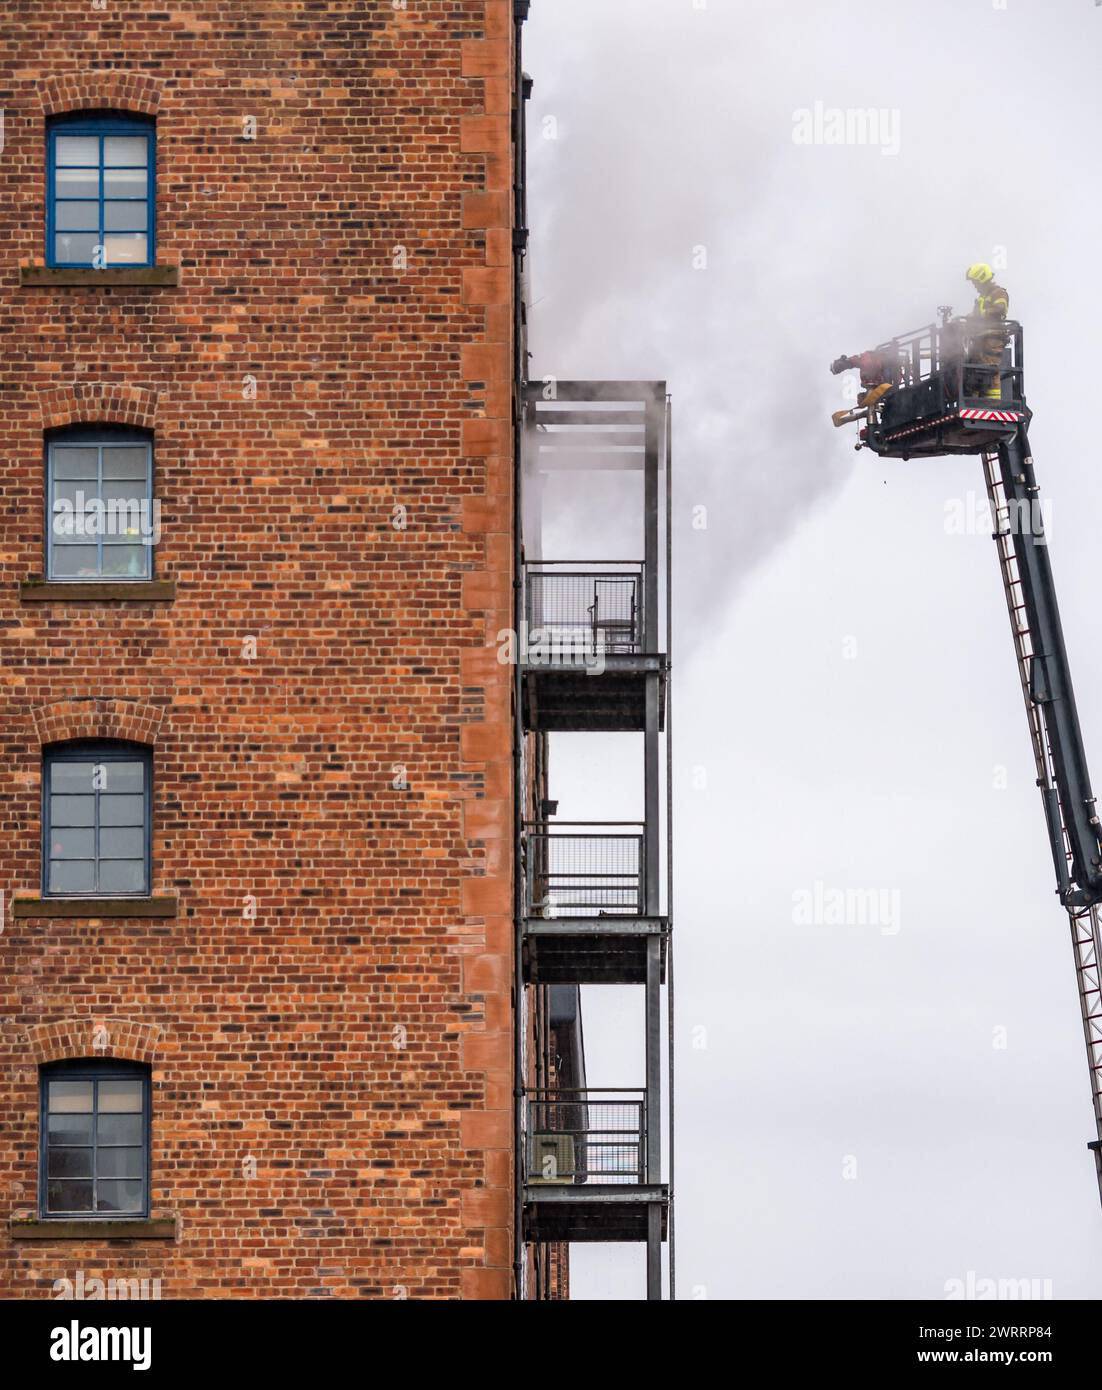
319 358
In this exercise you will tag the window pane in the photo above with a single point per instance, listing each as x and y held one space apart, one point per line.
132 216
129 561
119 844
71 810
68 1196
116 1163
74 525
72 844
120 776
70 1163
80 217
78 247
123 518
75 491
69 1129
122 1097
71 461
119 1129
121 810
69 1097
71 777
76 183
73 511
126 248
127 497
125 149
122 876
70 525
76 149
119 1195
125 461
73 561
125 183
71 876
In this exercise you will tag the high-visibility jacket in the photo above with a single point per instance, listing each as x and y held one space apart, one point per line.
994 303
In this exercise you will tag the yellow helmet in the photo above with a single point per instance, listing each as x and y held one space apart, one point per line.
980 273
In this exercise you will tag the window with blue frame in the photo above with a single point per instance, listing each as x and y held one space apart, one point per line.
101 519
96 820
101 185
95 1121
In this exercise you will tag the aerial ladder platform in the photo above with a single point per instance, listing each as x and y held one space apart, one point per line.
946 402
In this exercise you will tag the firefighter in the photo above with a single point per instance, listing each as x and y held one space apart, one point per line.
987 328
879 373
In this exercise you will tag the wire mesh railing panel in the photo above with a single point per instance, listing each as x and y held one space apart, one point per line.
593 1137
585 874
959 351
584 612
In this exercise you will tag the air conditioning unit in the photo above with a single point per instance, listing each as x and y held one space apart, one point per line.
551 1158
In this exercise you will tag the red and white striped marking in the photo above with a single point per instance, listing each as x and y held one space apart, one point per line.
1008 417
1002 417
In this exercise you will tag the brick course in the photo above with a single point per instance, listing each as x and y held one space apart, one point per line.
331 732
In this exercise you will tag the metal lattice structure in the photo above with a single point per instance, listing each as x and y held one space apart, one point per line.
1086 941
959 388
949 397
1086 934
588 1136
948 351
583 612
593 899
585 871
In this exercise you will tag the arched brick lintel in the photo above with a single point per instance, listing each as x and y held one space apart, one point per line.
135 721
89 404
72 1038
113 89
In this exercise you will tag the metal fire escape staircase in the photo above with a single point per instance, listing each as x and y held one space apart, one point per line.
945 403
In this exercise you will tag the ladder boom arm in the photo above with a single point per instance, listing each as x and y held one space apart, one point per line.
1054 731
1049 684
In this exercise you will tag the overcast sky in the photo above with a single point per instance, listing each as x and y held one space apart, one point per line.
844 672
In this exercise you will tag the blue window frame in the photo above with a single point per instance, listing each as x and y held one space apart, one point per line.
96 820
94 1139
100 517
101 185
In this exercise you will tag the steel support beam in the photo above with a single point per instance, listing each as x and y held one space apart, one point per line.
652 905
652 441
653 1006
654 1114
652 797
654 1251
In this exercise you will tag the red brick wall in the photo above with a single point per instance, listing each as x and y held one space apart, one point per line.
353 1037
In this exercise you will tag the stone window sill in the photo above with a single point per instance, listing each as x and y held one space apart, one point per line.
133 591
125 1228
134 277
94 907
